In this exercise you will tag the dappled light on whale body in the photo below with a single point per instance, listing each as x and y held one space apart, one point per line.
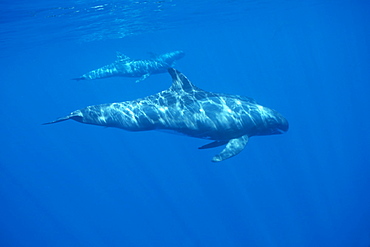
186 109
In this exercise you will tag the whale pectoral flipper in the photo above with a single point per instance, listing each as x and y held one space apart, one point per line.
142 78
213 144
233 147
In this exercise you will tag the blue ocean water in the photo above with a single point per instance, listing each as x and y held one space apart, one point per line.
71 184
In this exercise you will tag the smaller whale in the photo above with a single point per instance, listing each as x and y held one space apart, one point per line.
186 109
127 67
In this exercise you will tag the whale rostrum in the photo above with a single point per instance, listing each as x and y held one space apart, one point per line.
184 108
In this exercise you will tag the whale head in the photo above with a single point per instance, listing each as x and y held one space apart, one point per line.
171 57
274 122
177 55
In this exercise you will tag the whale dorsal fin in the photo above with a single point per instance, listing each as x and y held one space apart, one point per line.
153 55
233 147
180 82
122 57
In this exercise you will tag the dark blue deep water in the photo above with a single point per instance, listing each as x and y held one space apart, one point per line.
72 184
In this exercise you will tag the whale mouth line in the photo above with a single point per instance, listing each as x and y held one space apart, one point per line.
281 131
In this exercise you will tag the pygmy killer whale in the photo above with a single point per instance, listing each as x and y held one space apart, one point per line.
127 67
226 119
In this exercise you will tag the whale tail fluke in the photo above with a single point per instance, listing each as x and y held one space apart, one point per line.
58 120
79 78
76 115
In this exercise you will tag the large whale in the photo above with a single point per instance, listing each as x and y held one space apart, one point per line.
127 67
226 119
